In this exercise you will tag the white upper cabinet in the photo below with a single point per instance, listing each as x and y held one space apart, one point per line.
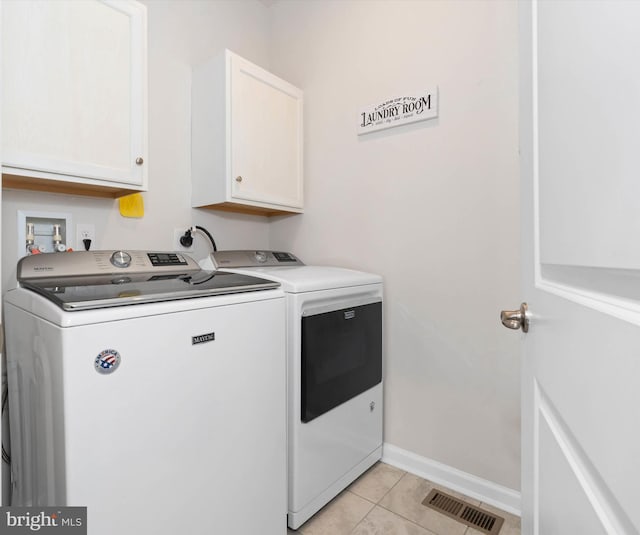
246 138
74 83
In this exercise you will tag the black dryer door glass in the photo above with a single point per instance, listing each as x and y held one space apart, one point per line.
341 357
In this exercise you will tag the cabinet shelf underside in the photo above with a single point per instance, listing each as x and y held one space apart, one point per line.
10 181
247 209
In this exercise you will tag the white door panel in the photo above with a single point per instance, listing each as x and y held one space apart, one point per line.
266 136
577 514
580 127
74 89
588 79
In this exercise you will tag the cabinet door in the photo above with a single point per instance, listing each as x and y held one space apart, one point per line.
265 136
74 83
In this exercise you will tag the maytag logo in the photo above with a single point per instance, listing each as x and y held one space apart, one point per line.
349 314
42 268
202 338
26 520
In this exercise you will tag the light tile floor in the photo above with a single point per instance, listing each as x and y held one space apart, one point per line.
388 501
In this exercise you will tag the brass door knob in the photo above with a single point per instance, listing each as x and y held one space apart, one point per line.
516 319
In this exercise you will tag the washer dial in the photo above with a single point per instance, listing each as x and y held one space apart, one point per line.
121 259
261 256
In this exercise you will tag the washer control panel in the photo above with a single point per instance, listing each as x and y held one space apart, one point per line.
238 259
166 259
81 263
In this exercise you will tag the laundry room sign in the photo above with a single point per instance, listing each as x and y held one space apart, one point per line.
399 111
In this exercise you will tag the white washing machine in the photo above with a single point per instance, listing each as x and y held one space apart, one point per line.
334 356
149 391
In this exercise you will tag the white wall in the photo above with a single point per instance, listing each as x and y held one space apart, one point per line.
433 207
180 34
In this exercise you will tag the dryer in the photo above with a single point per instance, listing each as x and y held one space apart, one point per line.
334 365
149 391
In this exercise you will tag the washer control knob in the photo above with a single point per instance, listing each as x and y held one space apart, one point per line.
121 259
261 256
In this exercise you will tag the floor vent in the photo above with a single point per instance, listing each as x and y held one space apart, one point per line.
463 512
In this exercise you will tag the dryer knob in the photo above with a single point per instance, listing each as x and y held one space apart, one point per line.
121 259
261 256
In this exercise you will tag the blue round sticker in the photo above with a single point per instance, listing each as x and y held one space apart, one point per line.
107 361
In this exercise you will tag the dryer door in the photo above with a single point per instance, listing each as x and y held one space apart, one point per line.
341 356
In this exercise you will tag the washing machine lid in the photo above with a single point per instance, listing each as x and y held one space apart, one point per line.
290 271
101 279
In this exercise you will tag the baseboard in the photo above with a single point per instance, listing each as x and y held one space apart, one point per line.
475 487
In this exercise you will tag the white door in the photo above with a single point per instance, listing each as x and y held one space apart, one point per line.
580 152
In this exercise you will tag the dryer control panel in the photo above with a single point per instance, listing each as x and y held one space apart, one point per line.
240 259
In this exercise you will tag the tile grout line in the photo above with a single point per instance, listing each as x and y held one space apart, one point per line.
382 497
404 517
373 506
376 504
359 496
429 531
401 516
392 487
387 509
365 516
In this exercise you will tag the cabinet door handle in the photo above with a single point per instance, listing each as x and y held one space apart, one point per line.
139 161
238 179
